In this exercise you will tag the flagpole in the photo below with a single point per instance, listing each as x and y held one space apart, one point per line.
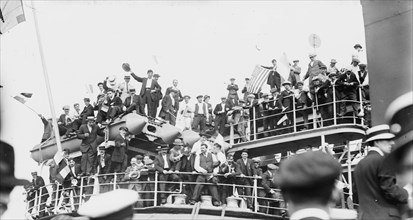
46 79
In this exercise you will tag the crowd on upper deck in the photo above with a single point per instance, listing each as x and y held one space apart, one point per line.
272 111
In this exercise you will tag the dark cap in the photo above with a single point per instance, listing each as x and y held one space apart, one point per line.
308 170
139 157
300 83
100 83
232 79
132 90
357 45
295 61
102 147
332 74
362 65
150 71
124 128
8 180
156 75
86 99
199 96
247 78
206 97
110 90
162 148
244 150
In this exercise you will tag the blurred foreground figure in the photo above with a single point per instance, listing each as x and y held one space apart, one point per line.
379 195
307 182
399 115
117 204
7 180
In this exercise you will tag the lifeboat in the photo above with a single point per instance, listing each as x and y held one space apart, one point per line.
46 150
155 129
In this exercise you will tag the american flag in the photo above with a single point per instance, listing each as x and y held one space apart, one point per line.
258 78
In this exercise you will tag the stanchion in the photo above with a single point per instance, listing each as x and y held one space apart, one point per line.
155 196
334 105
255 196
294 116
254 123
81 191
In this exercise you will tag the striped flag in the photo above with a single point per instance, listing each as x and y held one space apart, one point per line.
258 78
11 14
63 167
20 99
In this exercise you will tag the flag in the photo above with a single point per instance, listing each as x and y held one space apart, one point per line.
258 78
20 99
11 14
27 95
89 88
62 171
282 119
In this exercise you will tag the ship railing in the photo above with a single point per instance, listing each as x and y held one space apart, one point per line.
69 199
251 127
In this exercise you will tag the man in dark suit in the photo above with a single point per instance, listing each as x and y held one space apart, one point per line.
287 96
87 111
314 69
276 107
233 89
163 166
348 84
133 102
230 170
102 165
88 133
119 151
38 186
377 189
303 101
307 181
268 183
204 166
65 122
148 92
220 113
178 94
274 78
169 108
245 165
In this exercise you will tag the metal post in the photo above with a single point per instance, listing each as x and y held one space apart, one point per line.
81 190
254 123
114 181
255 195
334 105
361 104
294 115
314 118
36 203
231 134
323 140
40 200
57 198
350 180
155 196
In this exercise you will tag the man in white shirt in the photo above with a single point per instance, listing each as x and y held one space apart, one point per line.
186 112
125 87
200 112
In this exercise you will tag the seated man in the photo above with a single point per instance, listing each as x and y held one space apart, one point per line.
65 122
82 118
204 166
133 102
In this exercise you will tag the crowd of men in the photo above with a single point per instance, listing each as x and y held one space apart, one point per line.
273 111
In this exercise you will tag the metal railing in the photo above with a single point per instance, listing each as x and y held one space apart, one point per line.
249 126
69 199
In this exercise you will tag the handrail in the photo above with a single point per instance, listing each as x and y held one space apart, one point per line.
253 119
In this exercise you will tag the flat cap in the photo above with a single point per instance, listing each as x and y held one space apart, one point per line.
199 96
300 83
139 157
178 142
86 99
357 46
156 75
272 166
308 170
286 83
256 160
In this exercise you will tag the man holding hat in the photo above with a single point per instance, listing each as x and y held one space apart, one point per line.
347 85
88 134
295 71
148 91
220 113
375 181
7 180
200 112
307 181
233 89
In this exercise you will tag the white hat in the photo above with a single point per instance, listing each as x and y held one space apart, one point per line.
115 204
379 132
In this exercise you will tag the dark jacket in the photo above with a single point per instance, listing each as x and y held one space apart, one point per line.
377 190
134 103
87 141
119 151
274 78
87 111
351 78
168 107
160 163
100 169
143 80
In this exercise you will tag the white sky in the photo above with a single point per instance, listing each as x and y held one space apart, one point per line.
202 44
